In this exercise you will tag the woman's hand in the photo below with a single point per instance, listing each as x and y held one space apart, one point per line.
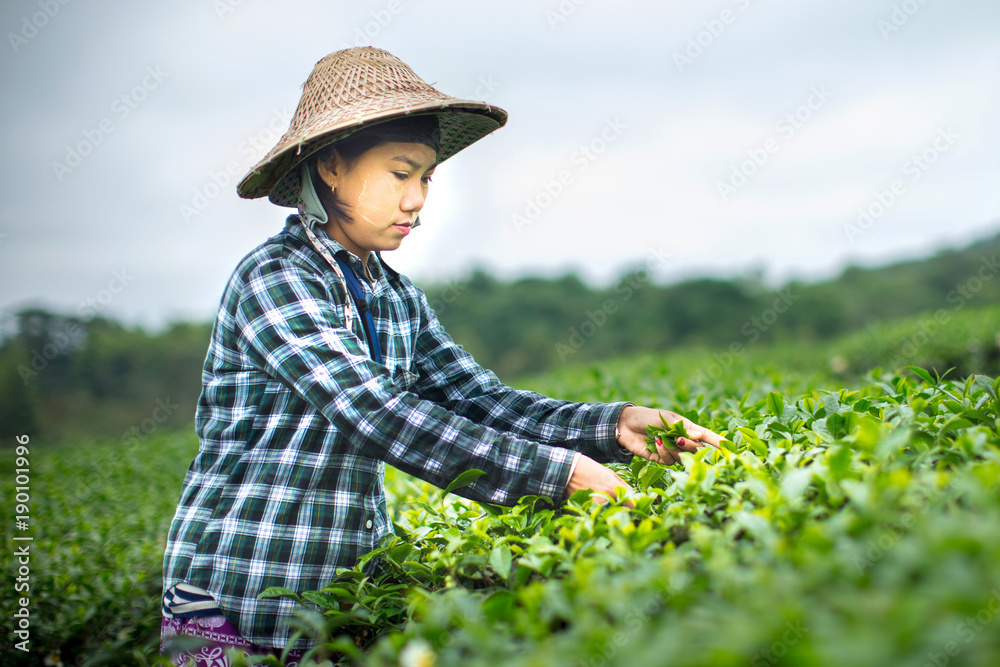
632 425
590 474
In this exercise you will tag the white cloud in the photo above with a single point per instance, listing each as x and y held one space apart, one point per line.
654 185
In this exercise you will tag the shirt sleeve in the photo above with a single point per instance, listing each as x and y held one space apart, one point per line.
289 323
450 376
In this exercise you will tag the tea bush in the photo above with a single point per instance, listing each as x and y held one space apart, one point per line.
965 341
99 514
855 527
838 525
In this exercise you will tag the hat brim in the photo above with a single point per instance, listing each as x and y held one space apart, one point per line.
461 123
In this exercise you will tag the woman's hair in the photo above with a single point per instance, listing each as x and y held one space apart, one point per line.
350 151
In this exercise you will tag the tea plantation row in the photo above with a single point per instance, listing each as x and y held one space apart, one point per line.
838 526
848 527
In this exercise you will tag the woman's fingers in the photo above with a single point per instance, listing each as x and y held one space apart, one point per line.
590 474
698 439
609 492
617 484
702 434
668 456
634 422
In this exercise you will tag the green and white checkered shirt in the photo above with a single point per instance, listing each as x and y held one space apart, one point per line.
297 422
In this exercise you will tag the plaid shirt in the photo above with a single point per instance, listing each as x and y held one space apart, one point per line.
297 422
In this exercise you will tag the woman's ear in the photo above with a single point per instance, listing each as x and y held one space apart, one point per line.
327 169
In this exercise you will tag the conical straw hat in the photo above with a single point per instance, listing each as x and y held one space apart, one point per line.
356 88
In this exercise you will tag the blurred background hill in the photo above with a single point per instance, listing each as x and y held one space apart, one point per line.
63 376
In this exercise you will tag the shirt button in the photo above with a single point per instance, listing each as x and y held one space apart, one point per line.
368 524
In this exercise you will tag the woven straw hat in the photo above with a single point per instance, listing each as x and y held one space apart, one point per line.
356 88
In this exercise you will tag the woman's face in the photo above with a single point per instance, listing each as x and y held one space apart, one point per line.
382 193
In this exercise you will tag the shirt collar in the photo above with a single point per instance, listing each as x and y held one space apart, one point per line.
293 225
310 207
313 213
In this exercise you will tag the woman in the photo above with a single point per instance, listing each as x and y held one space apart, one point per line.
309 389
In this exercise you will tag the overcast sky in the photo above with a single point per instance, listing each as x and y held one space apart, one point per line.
731 135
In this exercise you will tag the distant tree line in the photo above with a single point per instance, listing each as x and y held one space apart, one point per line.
531 325
64 376
70 377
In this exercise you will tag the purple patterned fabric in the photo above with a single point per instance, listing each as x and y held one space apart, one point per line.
222 634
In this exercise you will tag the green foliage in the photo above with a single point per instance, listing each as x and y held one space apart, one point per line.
824 510
666 434
99 514
18 403
962 341
847 519
827 507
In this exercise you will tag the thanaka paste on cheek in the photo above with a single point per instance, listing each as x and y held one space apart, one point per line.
361 203
361 199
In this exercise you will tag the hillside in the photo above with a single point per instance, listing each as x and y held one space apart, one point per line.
532 325
63 377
